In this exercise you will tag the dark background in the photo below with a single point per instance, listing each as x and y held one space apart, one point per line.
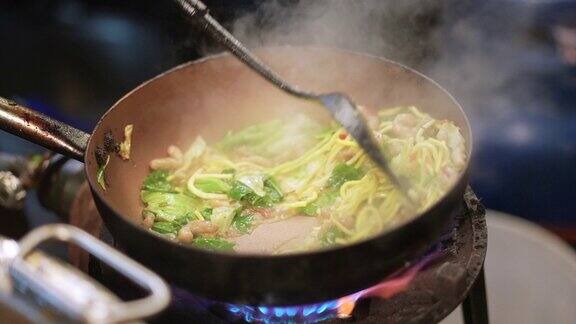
72 59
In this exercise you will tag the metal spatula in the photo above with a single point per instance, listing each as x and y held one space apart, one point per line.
339 105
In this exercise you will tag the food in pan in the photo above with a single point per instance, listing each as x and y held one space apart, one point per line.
216 196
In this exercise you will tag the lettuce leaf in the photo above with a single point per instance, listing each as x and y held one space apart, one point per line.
325 199
244 194
222 217
238 191
168 206
343 173
172 227
212 185
158 181
213 244
253 181
165 227
243 222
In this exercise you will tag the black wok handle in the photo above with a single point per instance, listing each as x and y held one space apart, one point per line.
42 130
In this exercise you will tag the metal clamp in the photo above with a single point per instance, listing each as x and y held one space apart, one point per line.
112 309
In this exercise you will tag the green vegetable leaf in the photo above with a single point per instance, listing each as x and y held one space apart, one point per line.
325 199
165 227
238 190
222 217
253 181
169 206
213 243
343 173
207 213
243 222
158 181
183 220
273 185
273 193
331 235
243 193
100 175
212 185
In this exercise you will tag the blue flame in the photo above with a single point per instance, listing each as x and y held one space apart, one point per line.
279 314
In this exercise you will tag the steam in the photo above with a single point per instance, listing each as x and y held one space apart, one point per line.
375 27
480 68
472 52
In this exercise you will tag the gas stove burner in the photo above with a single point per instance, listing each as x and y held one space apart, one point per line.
312 313
235 313
309 314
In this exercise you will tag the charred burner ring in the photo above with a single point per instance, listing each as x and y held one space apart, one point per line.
453 278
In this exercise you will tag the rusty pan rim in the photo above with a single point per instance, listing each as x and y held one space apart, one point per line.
317 252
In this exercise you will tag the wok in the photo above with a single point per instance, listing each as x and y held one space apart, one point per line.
211 96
